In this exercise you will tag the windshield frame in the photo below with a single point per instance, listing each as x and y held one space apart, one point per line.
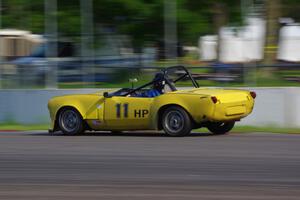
167 80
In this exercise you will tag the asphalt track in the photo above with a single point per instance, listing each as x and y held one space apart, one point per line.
34 165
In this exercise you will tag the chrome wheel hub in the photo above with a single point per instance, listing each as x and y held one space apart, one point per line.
174 121
69 120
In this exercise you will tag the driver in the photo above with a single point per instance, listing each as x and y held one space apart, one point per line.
158 85
159 82
157 88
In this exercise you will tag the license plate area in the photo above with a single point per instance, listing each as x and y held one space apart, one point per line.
235 110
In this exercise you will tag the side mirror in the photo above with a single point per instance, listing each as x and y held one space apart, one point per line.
105 94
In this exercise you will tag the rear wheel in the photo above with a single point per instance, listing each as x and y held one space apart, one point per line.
70 122
176 122
220 128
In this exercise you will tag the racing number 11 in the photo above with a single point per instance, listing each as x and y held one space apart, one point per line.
125 106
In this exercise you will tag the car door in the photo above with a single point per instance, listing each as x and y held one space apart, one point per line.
127 113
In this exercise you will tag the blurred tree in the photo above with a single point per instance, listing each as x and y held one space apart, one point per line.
202 17
68 18
23 14
273 13
141 19
290 8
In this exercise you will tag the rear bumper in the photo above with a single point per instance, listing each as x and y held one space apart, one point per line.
231 111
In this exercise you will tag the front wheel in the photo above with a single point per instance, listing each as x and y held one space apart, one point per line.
176 122
220 128
70 122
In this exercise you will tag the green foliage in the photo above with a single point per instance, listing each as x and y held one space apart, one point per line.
143 20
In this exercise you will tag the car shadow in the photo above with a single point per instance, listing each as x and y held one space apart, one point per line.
118 134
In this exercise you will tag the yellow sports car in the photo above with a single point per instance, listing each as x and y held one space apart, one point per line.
154 106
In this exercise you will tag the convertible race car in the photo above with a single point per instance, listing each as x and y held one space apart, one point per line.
156 105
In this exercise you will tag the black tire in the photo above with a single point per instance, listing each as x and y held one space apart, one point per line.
70 122
219 128
176 122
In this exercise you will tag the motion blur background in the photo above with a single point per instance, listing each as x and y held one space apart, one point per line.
103 43
71 44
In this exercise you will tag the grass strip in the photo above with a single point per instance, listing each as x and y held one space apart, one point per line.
236 129
23 127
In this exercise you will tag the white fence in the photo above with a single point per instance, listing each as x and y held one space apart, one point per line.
273 107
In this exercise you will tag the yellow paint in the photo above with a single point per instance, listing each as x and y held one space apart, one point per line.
137 113
235 110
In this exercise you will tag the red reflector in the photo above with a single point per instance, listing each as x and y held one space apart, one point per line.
253 94
214 99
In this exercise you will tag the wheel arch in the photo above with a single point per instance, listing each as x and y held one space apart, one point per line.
56 126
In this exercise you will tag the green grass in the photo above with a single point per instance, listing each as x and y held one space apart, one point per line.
259 78
236 129
248 129
23 127
254 129
264 129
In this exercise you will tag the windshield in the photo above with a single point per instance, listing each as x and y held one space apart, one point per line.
163 82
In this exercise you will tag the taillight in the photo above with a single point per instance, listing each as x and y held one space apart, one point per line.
253 94
214 99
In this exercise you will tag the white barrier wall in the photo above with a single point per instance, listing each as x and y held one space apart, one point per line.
273 107
29 106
